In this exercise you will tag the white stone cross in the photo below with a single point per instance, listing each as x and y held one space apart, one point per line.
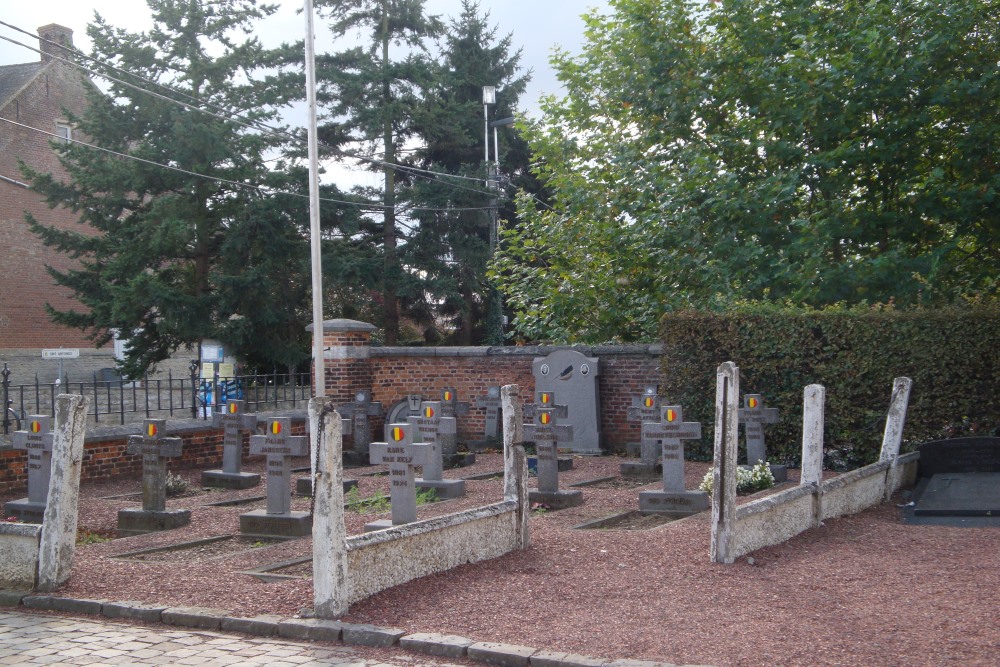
279 445
155 450
402 454
645 408
670 432
753 415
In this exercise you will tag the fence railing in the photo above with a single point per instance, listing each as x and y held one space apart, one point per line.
126 401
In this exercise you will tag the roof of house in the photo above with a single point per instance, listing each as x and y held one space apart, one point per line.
15 77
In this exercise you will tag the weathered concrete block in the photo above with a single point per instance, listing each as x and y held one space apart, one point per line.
9 598
371 635
19 545
557 659
556 500
502 655
260 523
80 606
432 643
194 617
220 479
140 611
311 628
139 521
262 626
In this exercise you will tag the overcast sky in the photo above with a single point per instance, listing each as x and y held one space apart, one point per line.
537 26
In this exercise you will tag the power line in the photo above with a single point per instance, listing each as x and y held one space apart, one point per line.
253 125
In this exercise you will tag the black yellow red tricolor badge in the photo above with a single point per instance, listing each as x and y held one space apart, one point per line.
398 433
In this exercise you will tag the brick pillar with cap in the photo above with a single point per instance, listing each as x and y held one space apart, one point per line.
346 358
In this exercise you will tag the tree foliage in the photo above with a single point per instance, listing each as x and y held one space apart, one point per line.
172 257
452 244
819 152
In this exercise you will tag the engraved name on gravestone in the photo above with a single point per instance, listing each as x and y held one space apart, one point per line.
279 446
491 403
401 454
669 432
234 422
545 433
431 427
36 442
645 408
451 406
573 377
155 450
358 411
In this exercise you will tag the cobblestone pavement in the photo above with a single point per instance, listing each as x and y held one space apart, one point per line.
34 639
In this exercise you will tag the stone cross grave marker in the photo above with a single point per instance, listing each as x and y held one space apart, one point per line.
753 415
36 442
573 377
645 408
451 406
545 400
491 402
432 427
545 433
279 446
234 421
668 434
358 411
401 454
155 450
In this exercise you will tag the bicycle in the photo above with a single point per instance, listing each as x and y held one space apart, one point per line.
11 417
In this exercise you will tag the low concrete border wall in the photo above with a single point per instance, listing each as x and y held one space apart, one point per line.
19 546
782 516
387 558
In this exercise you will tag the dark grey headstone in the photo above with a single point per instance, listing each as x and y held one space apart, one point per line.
959 455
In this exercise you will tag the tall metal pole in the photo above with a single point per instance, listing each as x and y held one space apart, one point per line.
319 378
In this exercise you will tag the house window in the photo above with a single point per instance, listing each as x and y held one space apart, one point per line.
65 132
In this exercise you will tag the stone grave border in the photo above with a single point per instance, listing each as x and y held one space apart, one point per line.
776 518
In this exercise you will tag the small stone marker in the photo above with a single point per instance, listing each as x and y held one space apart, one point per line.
234 421
491 403
401 454
545 400
573 377
451 406
36 441
645 408
358 413
155 450
278 520
753 415
431 427
545 433
670 431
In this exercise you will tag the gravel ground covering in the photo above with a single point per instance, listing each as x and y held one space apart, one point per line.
861 590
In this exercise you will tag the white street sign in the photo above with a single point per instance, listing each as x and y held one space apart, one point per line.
61 353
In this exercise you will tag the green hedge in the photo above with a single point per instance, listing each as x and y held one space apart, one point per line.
952 355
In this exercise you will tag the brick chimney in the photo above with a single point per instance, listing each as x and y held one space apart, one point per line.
50 40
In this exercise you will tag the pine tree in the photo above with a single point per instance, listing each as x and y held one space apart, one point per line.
453 244
372 97
176 255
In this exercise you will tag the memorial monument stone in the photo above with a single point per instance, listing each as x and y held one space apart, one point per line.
573 377
670 431
545 433
401 454
278 520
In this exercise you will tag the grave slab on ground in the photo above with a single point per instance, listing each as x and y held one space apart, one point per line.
958 483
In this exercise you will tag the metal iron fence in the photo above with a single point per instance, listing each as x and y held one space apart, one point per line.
115 400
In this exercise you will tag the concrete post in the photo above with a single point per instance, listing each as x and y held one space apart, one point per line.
813 413
893 435
331 583
515 462
58 542
727 394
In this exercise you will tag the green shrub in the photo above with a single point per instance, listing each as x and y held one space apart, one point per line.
951 355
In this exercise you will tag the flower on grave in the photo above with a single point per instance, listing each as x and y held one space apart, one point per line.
11 519
748 480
